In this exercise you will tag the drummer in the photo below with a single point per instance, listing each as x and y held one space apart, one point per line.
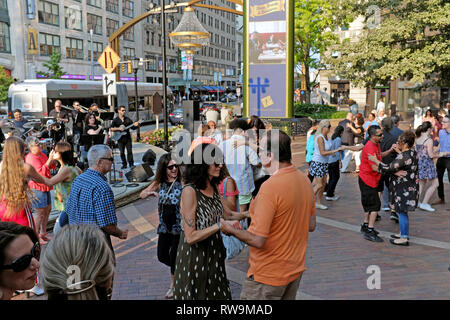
19 120
51 132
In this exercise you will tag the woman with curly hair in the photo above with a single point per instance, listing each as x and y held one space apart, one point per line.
200 265
167 188
16 195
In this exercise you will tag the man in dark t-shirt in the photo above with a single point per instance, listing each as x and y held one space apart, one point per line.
348 139
118 125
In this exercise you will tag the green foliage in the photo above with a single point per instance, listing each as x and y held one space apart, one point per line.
156 137
318 111
410 41
315 21
55 71
5 82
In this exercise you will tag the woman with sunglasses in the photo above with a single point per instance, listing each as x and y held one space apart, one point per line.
19 258
200 267
318 167
78 265
167 188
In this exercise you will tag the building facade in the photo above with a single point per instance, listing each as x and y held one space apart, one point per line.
42 26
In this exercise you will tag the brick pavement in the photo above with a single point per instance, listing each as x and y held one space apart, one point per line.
337 255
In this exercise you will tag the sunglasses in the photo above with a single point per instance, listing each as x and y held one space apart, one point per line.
22 263
171 167
110 159
379 135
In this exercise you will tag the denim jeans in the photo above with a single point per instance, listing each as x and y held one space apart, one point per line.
403 220
348 155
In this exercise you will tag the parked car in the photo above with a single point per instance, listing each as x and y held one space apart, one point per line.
176 117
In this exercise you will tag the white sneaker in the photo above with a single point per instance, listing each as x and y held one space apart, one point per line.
325 193
426 207
386 209
321 206
332 198
36 290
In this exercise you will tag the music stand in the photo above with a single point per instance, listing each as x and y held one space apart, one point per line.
91 139
107 116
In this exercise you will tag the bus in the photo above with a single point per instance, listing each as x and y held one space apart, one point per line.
36 97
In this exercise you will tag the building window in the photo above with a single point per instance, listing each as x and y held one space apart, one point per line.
150 65
97 48
95 3
48 43
111 26
153 38
112 6
128 8
94 22
48 13
129 34
5 42
3 4
173 65
129 53
72 18
74 48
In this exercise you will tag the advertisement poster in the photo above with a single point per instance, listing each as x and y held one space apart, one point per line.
269 52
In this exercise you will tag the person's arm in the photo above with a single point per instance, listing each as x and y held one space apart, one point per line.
431 153
42 169
243 235
352 148
387 152
31 172
355 131
188 208
321 145
151 190
231 189
63 175
115 231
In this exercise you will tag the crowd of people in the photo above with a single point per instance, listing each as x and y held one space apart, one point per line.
207 210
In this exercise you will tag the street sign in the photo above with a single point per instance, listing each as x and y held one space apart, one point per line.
109 59
220 76
215 76
109 84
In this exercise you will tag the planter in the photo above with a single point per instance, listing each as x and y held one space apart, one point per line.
212 115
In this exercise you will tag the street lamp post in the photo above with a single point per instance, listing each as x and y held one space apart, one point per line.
91 32
164 74
135 65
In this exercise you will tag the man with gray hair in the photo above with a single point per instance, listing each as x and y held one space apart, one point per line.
91 200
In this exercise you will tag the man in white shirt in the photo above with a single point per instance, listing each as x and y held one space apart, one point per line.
239 161
380 105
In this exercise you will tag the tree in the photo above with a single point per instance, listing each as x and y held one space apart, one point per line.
315 21
55 71
5 82
406 39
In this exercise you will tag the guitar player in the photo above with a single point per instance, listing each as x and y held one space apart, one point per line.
118 124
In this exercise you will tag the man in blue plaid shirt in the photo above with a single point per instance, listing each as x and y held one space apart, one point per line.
91 200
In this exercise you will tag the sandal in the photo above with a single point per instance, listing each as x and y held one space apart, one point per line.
399 243
169 294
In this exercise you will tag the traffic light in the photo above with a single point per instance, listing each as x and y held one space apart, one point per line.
123 67
130 69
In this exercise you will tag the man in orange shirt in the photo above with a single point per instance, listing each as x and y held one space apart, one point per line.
282 214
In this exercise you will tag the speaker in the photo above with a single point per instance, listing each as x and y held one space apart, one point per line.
140 173
149 157
191 113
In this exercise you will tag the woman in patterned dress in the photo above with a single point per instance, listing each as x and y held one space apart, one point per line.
167 188
403 184
427 169
200 266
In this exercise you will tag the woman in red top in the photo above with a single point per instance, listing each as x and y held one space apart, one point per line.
42 200
15 205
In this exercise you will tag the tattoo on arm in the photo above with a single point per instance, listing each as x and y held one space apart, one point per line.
189 222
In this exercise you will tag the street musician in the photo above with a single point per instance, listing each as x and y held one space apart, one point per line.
61 116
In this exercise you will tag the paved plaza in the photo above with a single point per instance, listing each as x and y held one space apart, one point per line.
337 259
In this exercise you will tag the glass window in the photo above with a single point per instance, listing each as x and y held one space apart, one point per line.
3 4
112 6
94 22
128 8
72 18
173 65
111 26
95 3
151 64
97 48
48 13
5 41
129 34
74 48
48 43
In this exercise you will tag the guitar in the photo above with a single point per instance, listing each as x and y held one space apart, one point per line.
119 134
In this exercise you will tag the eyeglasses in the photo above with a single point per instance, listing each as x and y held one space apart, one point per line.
379 135
22 263
110 159
173 166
